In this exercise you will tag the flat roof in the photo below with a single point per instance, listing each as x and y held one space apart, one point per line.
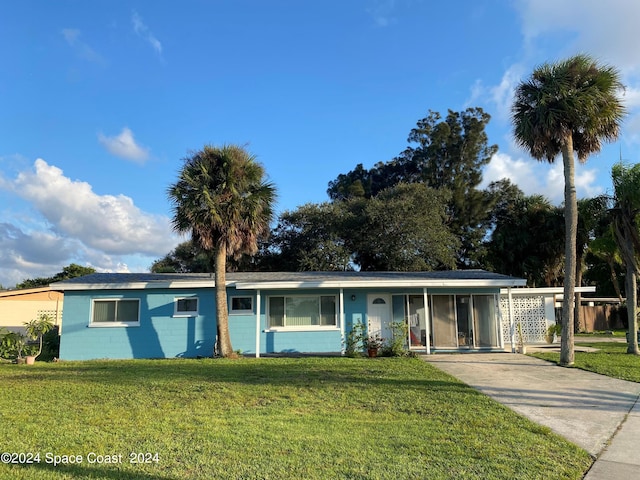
24 291
272 280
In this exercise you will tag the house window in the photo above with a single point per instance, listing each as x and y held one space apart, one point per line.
241 305
116 312
186 307
303 311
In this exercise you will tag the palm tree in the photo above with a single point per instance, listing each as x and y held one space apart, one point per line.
221 198
626 187
568 108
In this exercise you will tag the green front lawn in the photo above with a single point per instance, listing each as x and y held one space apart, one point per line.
583 337
311 418
611 360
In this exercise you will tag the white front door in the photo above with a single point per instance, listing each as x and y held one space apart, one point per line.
379 315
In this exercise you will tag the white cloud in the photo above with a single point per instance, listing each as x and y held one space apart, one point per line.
542 178
82 49
109 223
381 11
106 232
632 129
631 97
29 254
124 146
501 95
551 31
143 32
555 30
607 30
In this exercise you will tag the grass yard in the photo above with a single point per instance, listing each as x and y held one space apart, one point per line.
306 418
583 337
611 360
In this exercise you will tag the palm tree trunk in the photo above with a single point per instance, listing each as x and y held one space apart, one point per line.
571 228
222 311
614 279
632 309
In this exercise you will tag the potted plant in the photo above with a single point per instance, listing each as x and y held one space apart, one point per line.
372 344
520 346
552 332
35 330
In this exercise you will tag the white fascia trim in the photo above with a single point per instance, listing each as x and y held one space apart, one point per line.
455 283
546 290
381 284
113 324
303 328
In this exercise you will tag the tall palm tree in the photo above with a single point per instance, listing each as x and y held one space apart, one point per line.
221 198
626 187
568 108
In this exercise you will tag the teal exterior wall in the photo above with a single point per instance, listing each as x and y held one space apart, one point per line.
160 334
243 328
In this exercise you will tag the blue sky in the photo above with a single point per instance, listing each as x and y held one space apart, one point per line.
100 101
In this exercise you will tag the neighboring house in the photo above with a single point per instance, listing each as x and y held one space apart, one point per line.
174 315
20 306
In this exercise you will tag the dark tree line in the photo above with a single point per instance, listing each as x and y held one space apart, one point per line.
70 271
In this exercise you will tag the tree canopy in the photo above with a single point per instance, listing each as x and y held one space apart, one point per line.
444 154
187 257
527 240
403 228
310 238
70 271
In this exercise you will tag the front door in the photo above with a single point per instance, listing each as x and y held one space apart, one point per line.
379 315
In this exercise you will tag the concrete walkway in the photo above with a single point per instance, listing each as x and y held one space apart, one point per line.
598 413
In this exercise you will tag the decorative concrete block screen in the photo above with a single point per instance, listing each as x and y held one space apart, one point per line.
54 316
529 310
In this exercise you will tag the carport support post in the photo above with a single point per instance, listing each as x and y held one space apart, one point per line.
341 308
426 320
257 323
512 324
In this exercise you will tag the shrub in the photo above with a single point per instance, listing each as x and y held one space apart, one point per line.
12 345
353 343
50 345
397 345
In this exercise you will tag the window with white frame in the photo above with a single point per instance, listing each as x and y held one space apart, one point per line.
303 311
116 312
185 307
241 305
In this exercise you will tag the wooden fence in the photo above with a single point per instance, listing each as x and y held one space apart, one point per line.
600 317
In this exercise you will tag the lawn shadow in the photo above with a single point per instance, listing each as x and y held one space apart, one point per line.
302 371
86 472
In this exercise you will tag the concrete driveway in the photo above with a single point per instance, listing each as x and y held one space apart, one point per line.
585 408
